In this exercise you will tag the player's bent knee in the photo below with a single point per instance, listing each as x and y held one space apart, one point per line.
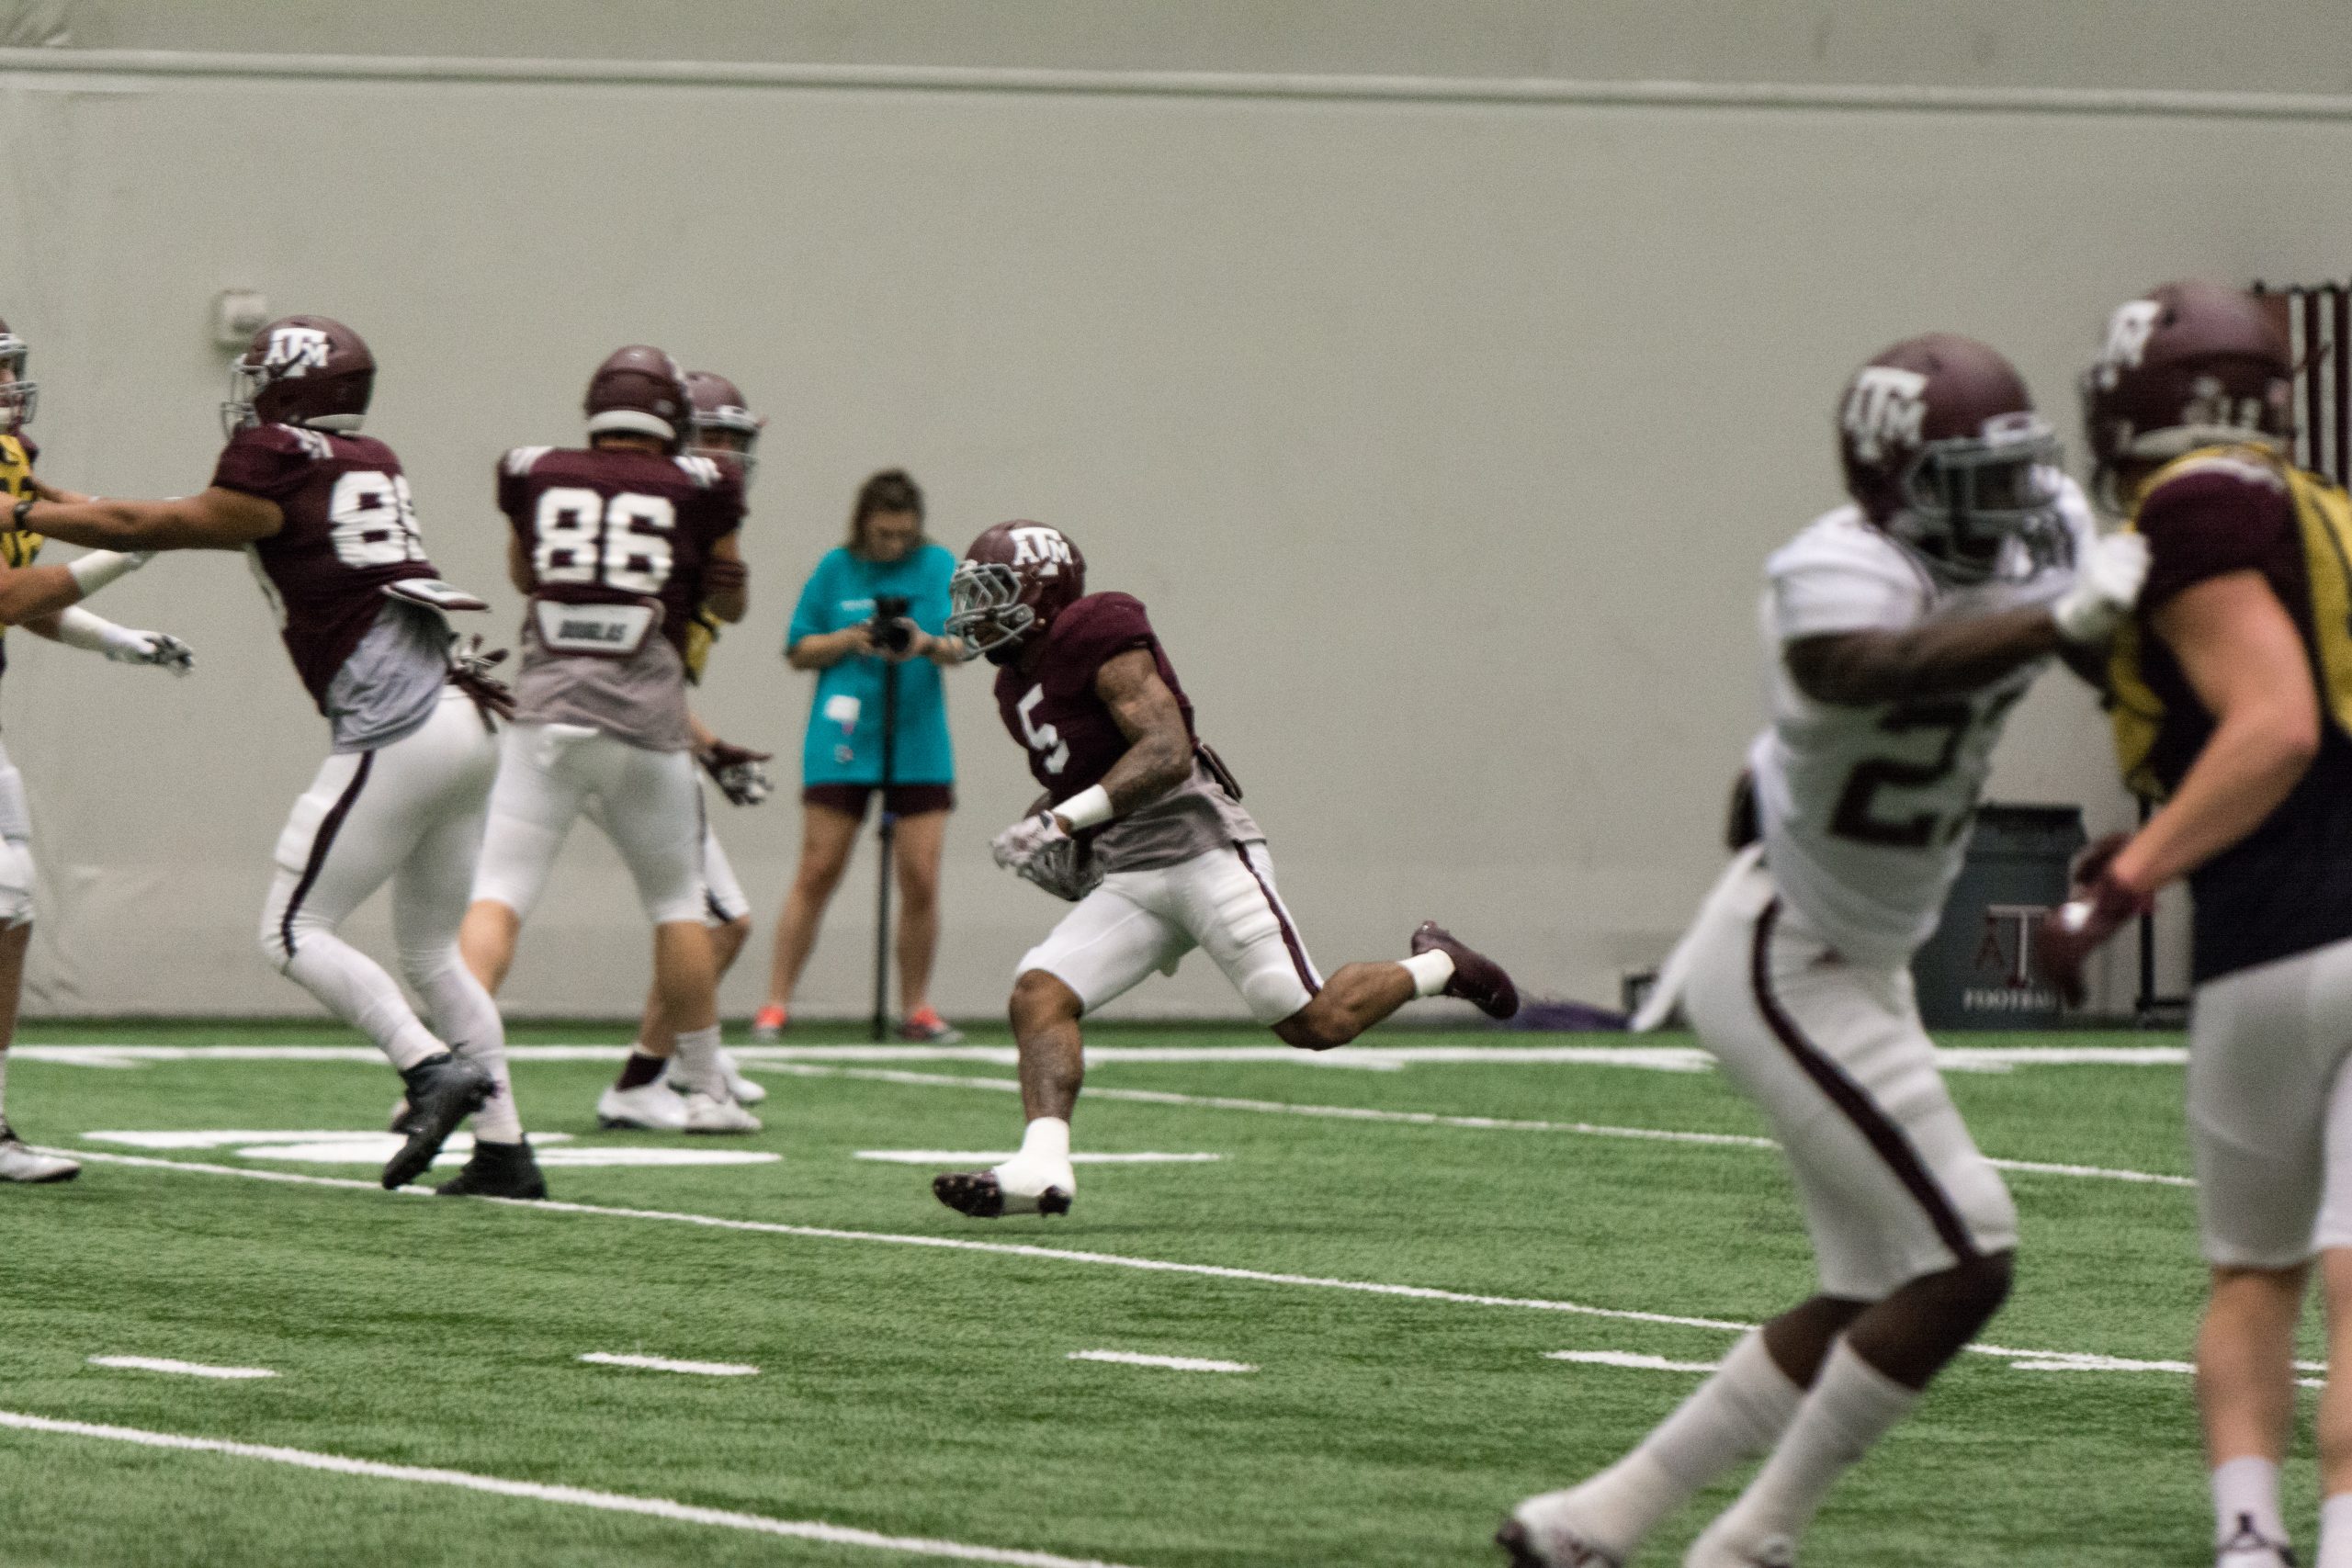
1311 1029
1041 996
1973 1289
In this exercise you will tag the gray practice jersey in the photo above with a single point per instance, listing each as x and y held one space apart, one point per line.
641 699
393 679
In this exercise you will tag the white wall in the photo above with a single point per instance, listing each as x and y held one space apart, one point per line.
1444 439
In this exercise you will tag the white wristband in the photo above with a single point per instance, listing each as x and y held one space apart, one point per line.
1090 807
95 569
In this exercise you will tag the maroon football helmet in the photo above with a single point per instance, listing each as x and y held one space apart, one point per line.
2193 364
19 397
308 370
641 391
1010 585
719 410
1942 449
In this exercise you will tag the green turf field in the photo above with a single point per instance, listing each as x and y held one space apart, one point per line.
922 1391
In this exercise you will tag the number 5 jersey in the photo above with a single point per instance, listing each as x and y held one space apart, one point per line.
1866 809
618 541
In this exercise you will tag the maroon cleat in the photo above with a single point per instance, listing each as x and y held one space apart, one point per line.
1476 979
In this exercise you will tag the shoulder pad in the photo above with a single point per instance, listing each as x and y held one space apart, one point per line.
518 462
293 440
702 470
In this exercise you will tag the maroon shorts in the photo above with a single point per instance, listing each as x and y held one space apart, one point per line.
905 800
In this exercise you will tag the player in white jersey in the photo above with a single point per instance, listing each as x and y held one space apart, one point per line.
1901 630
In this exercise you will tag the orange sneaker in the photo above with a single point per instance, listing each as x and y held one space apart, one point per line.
925 1026
768 1023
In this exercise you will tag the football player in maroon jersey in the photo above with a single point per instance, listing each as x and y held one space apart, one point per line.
2232 709
1142 827
727 432
324 513
617 545
23 589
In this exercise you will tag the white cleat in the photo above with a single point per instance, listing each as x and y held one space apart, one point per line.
747 1091
20 1162
707 1112
648 1108
2249 1548
1537 1536
1713 1550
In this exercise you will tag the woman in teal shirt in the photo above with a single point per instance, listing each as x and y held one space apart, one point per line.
841 760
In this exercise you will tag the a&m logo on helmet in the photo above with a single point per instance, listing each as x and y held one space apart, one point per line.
1044 549
296 351
2128 331
1884 411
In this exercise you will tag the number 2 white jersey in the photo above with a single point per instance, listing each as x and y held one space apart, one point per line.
1866 810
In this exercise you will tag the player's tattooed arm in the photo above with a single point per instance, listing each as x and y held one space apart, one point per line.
1941 659
1159 750
214 519
727 592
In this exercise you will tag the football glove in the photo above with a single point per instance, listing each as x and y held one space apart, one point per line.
2106 586
469 671
2101 905
160 649
741 775
1037 849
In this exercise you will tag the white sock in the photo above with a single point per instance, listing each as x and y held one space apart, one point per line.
355 988
1852 1405
1735 1415
2245 1493
1045 1140
2334 1531
464 1015
1430 971
696 1066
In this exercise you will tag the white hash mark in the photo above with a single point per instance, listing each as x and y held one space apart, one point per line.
185 1368
664 1364
1628 1359
1174 1363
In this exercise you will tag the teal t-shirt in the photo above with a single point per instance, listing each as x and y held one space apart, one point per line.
845 740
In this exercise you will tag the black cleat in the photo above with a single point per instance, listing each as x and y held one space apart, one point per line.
403 1116
975 1192
1519 1547
442 1091
1478 979
497 1170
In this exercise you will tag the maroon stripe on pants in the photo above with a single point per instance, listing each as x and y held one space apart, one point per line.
329 827
1282 917
1850 1097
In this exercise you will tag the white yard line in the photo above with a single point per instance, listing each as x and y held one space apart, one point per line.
664 1364
1651 1058
1173 1363
2070 1358
1431 1119
573 1496
185 1369
1628 1359
953 1157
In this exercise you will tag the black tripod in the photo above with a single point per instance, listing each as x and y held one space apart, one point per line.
887 834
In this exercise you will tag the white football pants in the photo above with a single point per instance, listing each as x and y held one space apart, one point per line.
1833 1052
411 814
1223 902
722 892
15 847
647 804
2270 1110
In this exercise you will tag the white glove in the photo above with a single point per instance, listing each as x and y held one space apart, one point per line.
1022 843
2105 587
160 648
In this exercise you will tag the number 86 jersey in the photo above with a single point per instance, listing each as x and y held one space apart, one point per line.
1866 809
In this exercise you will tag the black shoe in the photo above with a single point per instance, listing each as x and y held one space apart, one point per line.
1521 1547
442 1091
975 1192
1477 977
497 1170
